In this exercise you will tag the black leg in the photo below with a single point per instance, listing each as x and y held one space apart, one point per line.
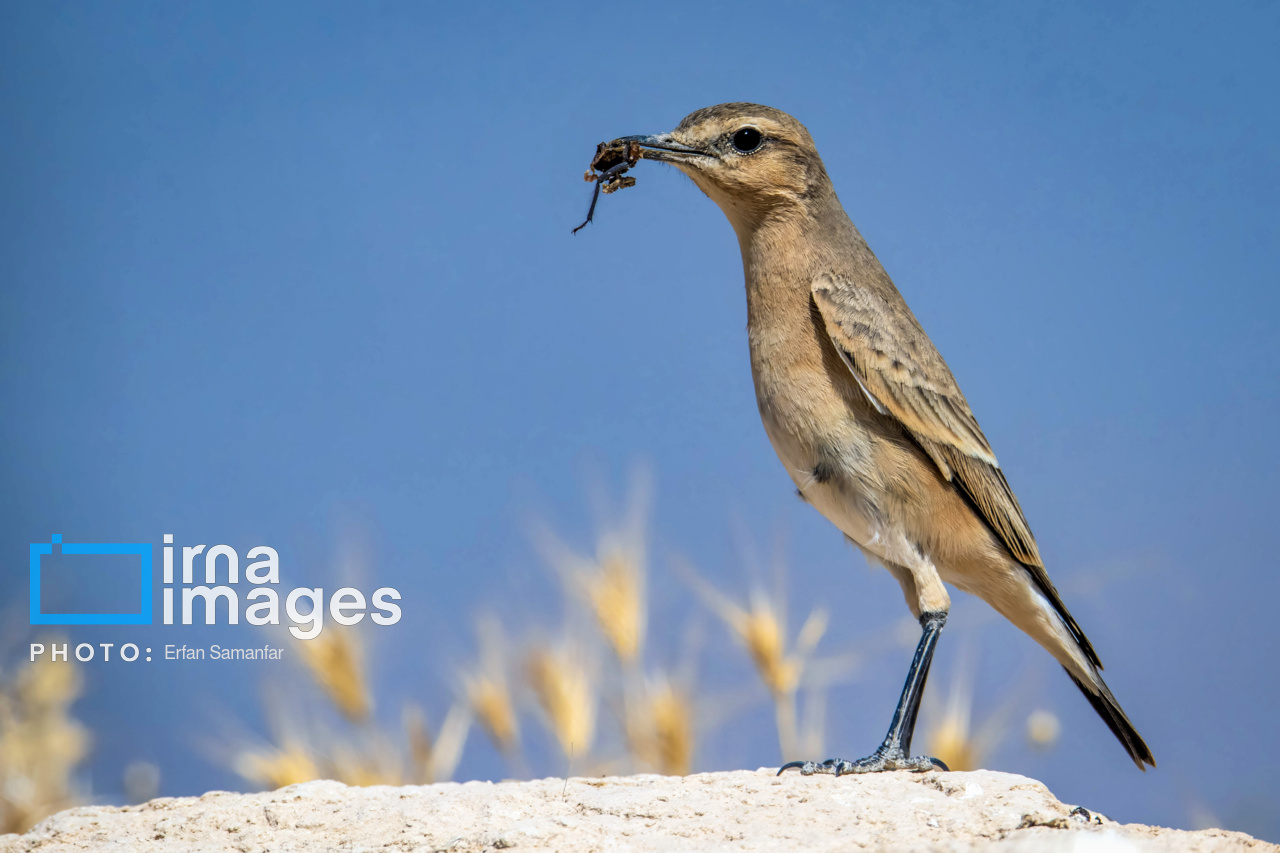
895 752
903 726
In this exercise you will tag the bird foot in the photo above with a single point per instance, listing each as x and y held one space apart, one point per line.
879 761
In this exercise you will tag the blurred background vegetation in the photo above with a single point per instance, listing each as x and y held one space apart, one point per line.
41 744
589 680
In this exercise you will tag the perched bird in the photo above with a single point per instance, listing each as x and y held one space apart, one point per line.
863 411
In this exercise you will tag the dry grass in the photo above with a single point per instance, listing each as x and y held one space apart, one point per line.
760 628
41 744
490 700
616 594
335 662
489 692
612 583
567 682
302 749
659 728
368 756
565 692
564 684
276 767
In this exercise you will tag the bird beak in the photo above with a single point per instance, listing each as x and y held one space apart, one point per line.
662 147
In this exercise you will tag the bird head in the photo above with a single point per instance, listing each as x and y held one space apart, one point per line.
753 161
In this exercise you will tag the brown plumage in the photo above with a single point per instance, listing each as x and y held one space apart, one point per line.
863 410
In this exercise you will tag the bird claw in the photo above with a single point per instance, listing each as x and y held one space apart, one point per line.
879 761
832 766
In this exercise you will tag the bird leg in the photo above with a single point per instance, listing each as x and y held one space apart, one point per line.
895 752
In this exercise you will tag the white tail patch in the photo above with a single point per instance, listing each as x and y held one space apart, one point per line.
1066 644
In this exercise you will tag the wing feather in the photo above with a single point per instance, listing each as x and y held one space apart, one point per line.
904 375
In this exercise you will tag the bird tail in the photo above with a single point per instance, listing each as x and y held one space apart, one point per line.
1023 603
1102 700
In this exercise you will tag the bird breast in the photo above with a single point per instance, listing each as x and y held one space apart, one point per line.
816 420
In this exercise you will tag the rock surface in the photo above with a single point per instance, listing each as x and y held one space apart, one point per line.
741 810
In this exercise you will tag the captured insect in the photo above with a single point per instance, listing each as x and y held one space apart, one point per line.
608 171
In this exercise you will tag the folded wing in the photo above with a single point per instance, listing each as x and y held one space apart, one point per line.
905 377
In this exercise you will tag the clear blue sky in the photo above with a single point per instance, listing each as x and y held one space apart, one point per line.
276 271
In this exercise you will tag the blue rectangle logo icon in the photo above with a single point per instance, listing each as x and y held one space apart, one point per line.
143 552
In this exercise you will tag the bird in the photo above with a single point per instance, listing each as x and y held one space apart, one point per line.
863 411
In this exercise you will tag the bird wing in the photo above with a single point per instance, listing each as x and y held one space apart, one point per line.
904 377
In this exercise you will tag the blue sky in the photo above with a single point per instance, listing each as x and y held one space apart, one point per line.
301 274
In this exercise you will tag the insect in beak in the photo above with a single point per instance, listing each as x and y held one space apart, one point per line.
608 171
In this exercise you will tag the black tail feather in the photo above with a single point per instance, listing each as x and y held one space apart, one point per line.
1113 715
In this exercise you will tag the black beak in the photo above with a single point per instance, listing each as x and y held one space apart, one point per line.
613 159
662 147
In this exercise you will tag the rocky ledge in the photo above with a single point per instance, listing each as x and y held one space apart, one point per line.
742 810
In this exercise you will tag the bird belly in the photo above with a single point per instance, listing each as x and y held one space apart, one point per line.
839 478
833 486
816 417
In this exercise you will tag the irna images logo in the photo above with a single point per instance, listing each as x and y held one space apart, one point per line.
40 550
92 585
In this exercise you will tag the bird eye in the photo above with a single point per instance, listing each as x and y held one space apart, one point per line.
747 140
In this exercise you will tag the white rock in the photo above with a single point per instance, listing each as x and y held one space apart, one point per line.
742 810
